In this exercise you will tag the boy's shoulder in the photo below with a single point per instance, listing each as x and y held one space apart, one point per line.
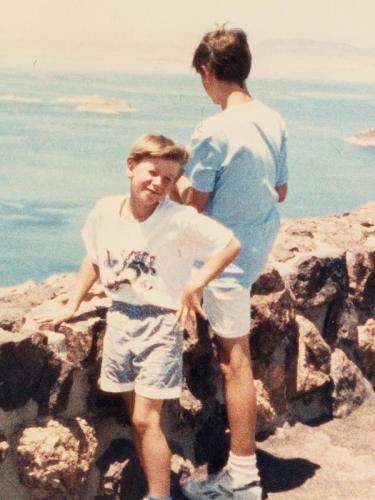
254 110
178 216
174 210
264 109
216 125
109 201
108 205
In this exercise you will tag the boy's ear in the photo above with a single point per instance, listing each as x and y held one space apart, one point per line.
178 175
204 70
129 167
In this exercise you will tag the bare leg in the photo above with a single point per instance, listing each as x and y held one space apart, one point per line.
150 442
235 364
129 398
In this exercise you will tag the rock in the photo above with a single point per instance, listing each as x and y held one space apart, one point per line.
318 316
318 280
11 318
366 341
361 268
270 281
4 447
267 414
312 345
17 301
47 366
339 232
341 327
201 370
314 357
121 474
97 104
364 138
350 388
28 370
12 420
271 318
295 237
273 344
311 407
55 458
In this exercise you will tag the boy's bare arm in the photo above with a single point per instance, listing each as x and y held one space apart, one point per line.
282 192
88 274
191 294
189 196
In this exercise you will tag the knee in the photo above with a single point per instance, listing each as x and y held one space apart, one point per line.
234 357
235 367
231 370
142 423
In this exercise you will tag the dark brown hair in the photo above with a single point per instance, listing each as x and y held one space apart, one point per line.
226 53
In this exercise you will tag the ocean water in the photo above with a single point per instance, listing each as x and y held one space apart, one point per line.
56 161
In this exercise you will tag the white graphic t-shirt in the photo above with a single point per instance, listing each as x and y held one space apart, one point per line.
149 262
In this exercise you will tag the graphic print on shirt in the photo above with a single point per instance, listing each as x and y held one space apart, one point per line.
137 267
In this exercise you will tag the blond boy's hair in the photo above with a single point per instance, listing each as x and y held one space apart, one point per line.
158 146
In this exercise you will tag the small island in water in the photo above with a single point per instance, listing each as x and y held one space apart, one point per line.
97 104
364 138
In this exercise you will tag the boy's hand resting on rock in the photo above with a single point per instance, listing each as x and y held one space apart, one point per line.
56 314
64 308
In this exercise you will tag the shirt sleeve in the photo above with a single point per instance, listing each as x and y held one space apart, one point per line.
89 234
282 167
205 161
203 235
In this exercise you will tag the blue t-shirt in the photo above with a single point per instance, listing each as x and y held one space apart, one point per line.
239 156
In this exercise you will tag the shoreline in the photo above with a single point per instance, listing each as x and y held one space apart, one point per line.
27 281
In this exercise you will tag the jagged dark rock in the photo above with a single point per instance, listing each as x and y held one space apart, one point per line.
312 344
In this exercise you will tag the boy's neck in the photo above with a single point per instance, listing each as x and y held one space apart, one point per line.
233 95
237 97
135 211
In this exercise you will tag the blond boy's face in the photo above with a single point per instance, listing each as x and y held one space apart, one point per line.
152 179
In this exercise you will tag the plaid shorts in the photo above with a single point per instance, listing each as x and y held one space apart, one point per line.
142 351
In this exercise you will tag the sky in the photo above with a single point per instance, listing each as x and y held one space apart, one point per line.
157 35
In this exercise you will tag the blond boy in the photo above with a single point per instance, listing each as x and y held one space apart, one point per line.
142 246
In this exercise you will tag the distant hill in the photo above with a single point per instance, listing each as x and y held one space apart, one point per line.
310 59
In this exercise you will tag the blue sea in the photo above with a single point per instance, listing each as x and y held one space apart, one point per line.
56 161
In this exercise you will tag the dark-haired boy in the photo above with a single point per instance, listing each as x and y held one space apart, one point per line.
237 174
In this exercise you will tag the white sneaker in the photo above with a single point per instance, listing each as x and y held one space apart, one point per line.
220 487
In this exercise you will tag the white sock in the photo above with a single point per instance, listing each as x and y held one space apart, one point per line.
243 470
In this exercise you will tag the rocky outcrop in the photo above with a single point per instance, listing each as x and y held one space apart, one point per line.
55 459
312 344
364 138
97 104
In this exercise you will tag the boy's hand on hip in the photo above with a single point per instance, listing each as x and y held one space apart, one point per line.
190 304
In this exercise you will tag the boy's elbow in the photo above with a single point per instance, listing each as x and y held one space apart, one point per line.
236 247
282 191
281 197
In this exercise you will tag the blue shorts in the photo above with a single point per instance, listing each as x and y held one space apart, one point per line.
142 351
